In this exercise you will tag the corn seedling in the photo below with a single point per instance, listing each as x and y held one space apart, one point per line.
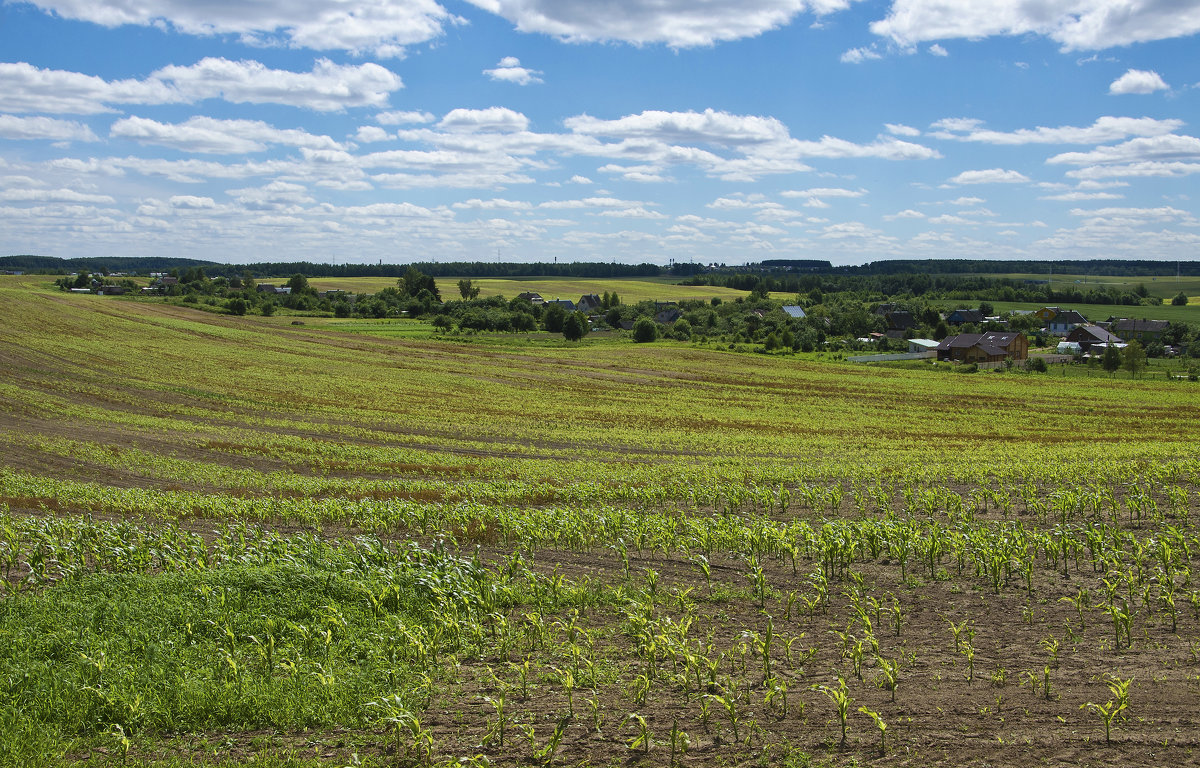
641 737
879 723
680 742
841 703
1114 707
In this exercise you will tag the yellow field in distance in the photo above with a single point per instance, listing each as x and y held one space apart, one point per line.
630 290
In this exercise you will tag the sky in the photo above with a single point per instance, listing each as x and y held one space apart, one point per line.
703 131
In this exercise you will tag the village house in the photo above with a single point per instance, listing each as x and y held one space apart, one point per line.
1142 331
668 315
531 297
922 345
1059 321
1088 335
964 316
983 347
899 322
588 302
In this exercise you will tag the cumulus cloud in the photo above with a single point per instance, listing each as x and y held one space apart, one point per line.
1138 81
609 203
708 127
1074 24
897 129
1165 213
494 204
328 87
1077 196
677 23
209 135
276 196
938 50
44 128
824 192
1104 129
509 70
53 196
379 27
369 134
990 176
491 120
859 55
1157 148
403 118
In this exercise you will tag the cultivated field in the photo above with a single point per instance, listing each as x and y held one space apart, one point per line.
631 290
229 539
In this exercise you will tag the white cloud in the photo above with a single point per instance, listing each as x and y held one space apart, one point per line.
44 128
492 119
53 196
208 135
989 176
1078 196
1136 214
577 179
609 203
635 212
1136 170
402 118
495 204
380 27
938 50
26 88
908 213
1075 24
393 210
708 127
369 134
1157 148
1138 81
677 23
276 196
885 148
509 70
192 202
1104 129
859 55
897 129
328 87
824 192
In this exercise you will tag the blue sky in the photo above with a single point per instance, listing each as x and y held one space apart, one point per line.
624 130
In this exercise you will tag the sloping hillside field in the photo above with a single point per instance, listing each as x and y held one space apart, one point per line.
227 540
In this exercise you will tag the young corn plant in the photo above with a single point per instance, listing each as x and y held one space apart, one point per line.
1114 707
496 728
881 725
680 742
889 674
546 753
642 737
841 703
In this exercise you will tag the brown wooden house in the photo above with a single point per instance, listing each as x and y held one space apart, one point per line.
983 347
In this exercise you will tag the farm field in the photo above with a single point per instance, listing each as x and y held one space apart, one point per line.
233 540
1164 287
631 290
1185 314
